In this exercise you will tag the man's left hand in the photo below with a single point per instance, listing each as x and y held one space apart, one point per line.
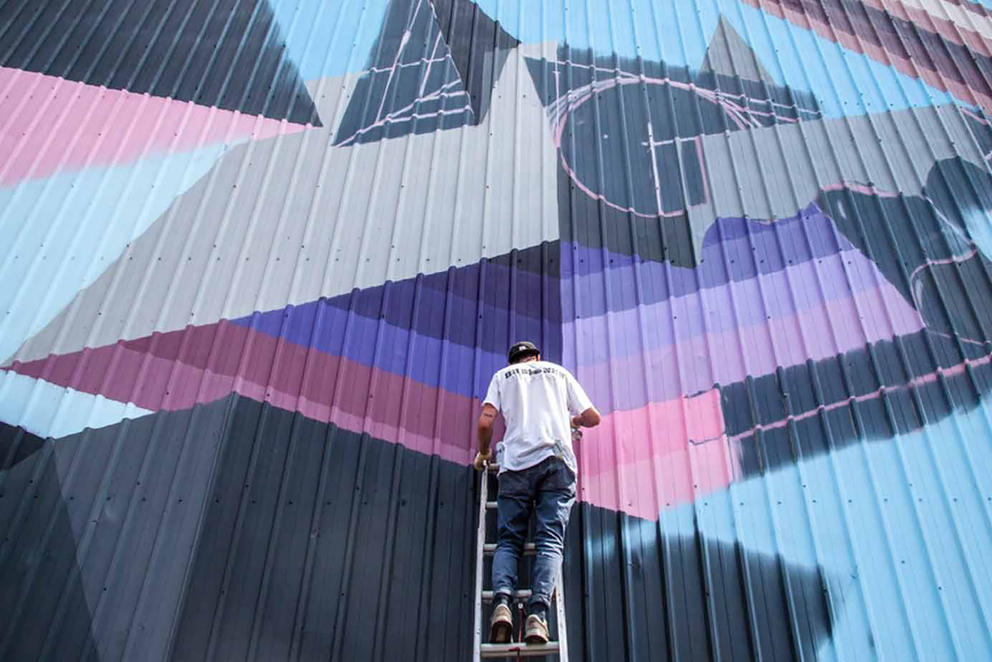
481 460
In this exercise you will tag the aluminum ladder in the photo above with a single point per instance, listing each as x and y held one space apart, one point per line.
483 548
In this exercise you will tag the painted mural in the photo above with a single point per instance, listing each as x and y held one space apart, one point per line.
261 257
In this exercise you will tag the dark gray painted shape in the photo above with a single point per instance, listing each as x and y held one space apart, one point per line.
433 67
303 519
479 47
38 569
109 528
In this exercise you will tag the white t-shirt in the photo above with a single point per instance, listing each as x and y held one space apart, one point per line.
538 399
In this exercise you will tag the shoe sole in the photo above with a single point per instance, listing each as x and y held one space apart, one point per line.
536 639
500 633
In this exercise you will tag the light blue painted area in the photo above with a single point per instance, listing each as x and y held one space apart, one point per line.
327 38
979 224
845 82
52 411
901 528
62 232
985 3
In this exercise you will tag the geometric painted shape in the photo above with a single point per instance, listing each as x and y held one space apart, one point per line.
228 55
628 132
478 47
411 84
432 68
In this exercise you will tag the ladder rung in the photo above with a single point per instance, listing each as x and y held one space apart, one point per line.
490 504
529 548
522 594
523 650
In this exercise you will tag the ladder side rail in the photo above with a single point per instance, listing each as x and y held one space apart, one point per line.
480 541
560 609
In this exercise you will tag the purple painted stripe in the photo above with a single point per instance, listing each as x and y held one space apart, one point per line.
377 343
734 249
458 319
632 369
785 293
484 306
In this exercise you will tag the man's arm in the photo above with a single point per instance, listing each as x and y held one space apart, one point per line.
579 401
587 419
487 420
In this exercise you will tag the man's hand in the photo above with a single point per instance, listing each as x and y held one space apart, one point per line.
588 419
481 460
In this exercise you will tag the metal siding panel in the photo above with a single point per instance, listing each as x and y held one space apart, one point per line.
262 258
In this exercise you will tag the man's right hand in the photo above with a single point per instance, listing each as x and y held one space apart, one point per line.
481 460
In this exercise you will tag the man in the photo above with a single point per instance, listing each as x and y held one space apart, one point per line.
541 403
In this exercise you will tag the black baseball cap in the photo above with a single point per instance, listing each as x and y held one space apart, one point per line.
519 350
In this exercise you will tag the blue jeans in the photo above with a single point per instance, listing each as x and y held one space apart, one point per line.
547 489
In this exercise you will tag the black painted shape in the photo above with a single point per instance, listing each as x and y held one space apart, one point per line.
411 85
631 161
922 245
36 574
583 220
479 47
16 445
336 543
227 54
138 487
684 115
653 604
839 401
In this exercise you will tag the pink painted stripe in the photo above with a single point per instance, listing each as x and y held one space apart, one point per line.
940 17
49 124
639 462
899 59
644 461
200 364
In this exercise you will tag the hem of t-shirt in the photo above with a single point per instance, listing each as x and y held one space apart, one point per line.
542 458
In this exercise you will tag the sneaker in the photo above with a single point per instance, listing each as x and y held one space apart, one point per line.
500 625
536 630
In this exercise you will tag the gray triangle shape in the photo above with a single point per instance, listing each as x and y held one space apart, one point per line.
729 55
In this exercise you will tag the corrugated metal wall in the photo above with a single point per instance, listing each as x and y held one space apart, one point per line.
259 259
